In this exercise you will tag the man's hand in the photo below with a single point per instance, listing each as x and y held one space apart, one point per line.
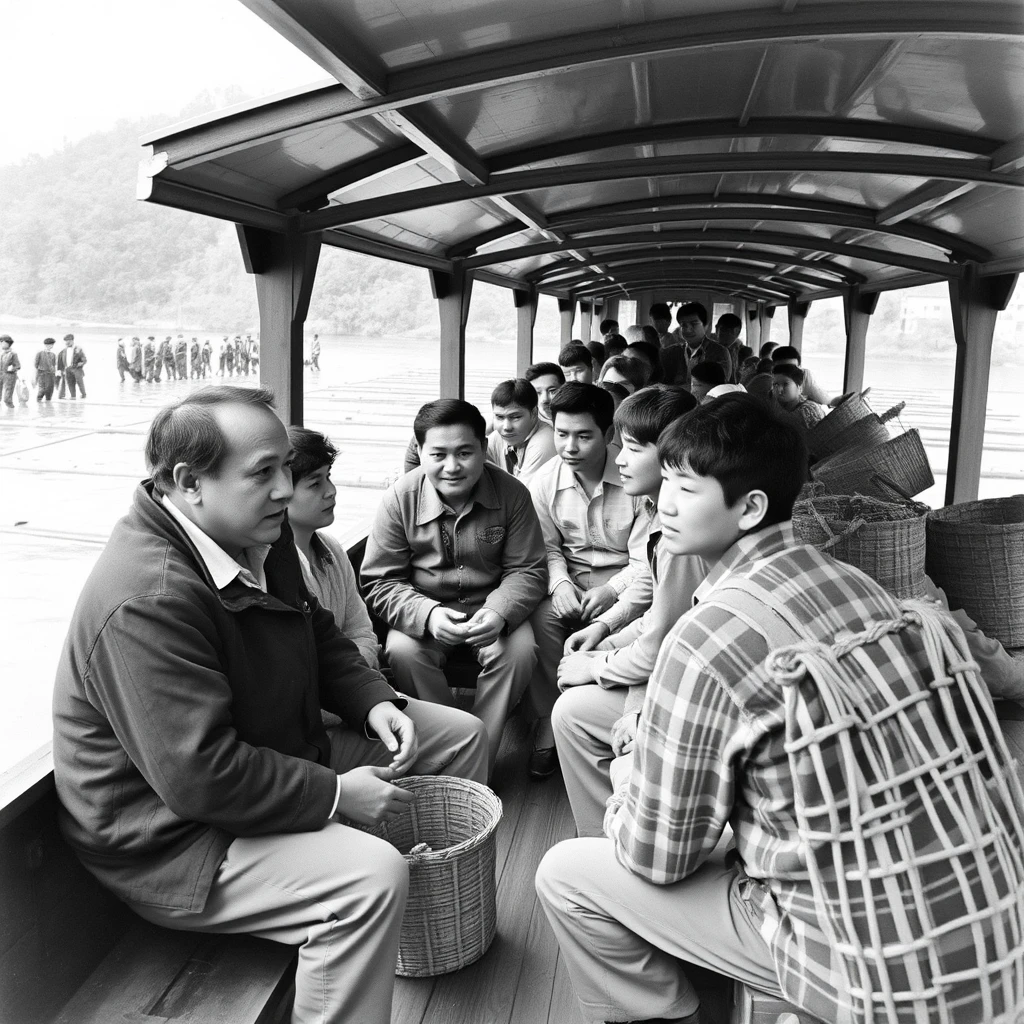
596 601
397 733
565 601
587 638
368 797
447 626
575 670
483 628
624 734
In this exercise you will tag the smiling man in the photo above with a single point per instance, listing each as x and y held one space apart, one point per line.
456 558
197 779
521 442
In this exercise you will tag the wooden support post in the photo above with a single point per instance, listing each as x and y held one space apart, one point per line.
284 266
586 322
857 309
452 291
797 316
525 300
753 327
766 314
976 301
567 313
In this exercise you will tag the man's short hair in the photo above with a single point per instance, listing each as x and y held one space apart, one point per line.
785 352
794 373
515 391
535 370
311 451
615 389
449 412
660 311
608 326
575 354
649 336
632 369
691 308
648 353
767 349
575 398
187 431
635 332
737 441
744 353
647 413
708 372
597 352
730 320
614 345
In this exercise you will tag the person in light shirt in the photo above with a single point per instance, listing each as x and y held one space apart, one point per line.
521 442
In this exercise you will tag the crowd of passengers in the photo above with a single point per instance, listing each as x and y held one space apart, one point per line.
212 749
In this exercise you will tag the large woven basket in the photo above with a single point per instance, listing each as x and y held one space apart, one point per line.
898 468
976 554
884 539
850 409
447 838
866 432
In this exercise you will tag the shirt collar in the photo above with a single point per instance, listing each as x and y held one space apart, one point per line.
431 506
749 548
221 566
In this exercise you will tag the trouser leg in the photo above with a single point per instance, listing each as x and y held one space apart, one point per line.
8 388
623 938
582 721
418 666
79 376
550 632
337 894
69 376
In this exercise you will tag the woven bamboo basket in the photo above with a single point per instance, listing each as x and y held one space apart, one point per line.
898 468
866 432
447 837
976 554
852 408
885 539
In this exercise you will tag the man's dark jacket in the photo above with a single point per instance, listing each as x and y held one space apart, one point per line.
184 717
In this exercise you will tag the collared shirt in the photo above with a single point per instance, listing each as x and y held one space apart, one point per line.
595 540
530 455
420 554
710 750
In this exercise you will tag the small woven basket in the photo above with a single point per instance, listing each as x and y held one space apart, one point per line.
447 837
976 554
898 468
884 539
866 432
848 411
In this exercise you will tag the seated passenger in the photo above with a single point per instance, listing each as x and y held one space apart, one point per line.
649 356
521 442
630 373
660 317
326 568
597 355
455 557
614 345
704 377
786 384
766 350
577 363
546 379
607 328
711 751
619 395
196 781
727 334
810 389
595 535
593 724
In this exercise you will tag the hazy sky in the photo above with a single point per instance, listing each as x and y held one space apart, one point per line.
72 67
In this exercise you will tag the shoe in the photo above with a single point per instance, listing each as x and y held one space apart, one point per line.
543 762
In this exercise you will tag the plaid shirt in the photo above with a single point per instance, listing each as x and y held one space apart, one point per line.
709 752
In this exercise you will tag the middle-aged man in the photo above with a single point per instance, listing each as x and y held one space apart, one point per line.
71 367
196 777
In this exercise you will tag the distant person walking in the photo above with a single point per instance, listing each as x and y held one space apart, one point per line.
10 364
255 357
46 370
194 356
167 357
135 359
222 357
71 365
181 357
314 353
151 358
121 359
206 357
229 358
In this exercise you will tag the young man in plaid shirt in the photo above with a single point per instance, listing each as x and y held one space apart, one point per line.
631 909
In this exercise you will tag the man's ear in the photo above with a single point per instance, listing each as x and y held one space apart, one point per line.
187 483
754 508
609 434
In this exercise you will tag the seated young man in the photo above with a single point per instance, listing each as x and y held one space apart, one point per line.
787 380
546 379
614 345
703 377
631 910
648 356
520 442
594 723
608 328
577 363
456 557
595 535
810 389
630 373
326 568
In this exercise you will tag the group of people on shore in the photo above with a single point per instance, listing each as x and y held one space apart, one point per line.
63 370
181 360
614 552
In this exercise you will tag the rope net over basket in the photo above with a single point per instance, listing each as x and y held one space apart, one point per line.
912 815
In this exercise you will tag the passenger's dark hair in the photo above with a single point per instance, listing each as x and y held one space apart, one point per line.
614 345
785 352
660 311
745 352
574 398
615 389
729 320
187 431
311 451
794 373
606 326
765 365
516 391
649 335
649 354
535 370
597 352
449 412
632 369
647 413
708 373
766 350
575 354
691 308
738 442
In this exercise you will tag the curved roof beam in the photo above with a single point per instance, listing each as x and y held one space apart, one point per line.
511 182
792 242
686 280
751 291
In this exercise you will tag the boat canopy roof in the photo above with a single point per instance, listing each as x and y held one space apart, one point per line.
769 150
